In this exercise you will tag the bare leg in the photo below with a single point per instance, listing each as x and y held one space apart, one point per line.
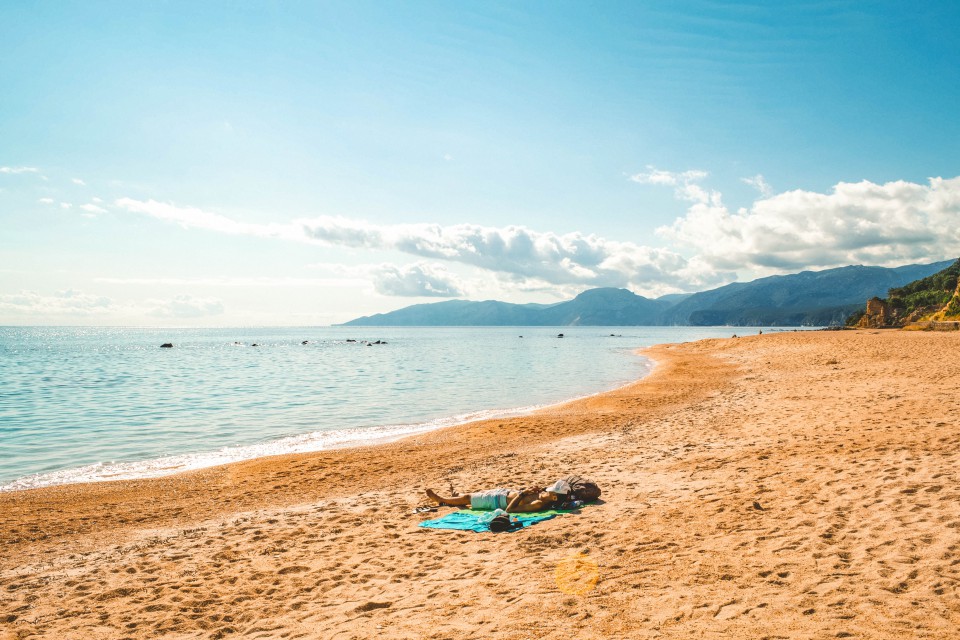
459 501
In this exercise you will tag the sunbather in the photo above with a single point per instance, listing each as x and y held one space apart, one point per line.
510 500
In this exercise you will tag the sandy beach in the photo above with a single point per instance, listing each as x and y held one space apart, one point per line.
789 485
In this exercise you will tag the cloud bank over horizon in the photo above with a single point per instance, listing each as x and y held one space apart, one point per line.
709 245
855 223
72 303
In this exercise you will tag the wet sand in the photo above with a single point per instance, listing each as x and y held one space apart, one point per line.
791 485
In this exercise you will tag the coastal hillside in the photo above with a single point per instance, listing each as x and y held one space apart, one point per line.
935 298
819 298
595 307
454 313
811 298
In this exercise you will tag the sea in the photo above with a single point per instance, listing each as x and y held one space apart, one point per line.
82 404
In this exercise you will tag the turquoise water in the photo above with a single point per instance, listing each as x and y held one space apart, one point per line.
84 404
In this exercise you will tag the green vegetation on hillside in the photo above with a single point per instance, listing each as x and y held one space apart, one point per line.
934 298
854 318
953 309
929 294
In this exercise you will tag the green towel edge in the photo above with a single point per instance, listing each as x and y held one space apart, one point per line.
551 512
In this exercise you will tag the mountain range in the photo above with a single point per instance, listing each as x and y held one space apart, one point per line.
809 298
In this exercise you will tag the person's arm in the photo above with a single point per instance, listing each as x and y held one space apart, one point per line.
536 505
514 506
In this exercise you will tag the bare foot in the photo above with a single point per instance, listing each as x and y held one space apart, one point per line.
433 496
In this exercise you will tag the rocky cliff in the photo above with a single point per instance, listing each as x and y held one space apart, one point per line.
877 316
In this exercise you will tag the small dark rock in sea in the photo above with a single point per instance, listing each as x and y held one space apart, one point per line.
254 345
305 342
350 340
559 335
166 345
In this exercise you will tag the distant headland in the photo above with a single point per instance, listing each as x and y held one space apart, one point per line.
809 298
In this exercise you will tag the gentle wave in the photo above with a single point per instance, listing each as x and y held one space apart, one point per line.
304 443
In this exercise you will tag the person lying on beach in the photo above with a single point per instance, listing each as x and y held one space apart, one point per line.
510 500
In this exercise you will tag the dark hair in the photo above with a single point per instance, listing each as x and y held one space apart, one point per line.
586 492
582 489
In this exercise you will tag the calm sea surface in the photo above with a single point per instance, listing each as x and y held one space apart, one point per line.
84 404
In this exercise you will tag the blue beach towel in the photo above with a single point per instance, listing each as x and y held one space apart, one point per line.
467 520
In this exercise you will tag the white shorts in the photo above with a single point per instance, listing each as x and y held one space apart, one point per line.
489 500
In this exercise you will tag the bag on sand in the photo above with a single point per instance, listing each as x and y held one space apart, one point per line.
582 489
503 522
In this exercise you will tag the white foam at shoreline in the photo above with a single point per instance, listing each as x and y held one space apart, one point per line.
304 443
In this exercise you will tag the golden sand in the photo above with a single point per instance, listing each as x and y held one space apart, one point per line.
793 485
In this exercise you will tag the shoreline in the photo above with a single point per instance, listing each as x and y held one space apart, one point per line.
794 483
305 443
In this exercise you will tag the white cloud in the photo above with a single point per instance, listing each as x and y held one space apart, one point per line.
337 230
420 279
862 223
17 170
194 218
758 183
238 282
78 181
92 208
857 223
65 205
184 306
521 253
685 183
67 302
45 200
79 304
668 178
515 252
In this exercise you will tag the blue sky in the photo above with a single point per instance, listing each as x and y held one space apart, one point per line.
175 163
